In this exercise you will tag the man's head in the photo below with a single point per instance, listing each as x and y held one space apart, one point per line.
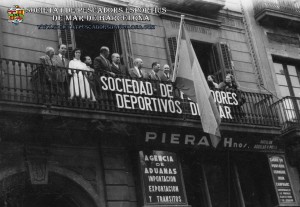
166 69
115 57
138 62
104 51
155 67
88 60
62 49
50 51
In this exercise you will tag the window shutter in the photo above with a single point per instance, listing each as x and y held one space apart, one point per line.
172 44
66 36
117 42
223 59
126 38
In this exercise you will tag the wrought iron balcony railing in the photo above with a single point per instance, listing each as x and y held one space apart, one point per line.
284 6
31 83
278 13
289 112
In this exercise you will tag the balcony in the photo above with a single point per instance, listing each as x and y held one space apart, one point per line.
289 115
27 88
282 13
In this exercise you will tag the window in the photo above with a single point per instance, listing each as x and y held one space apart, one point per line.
288 79
207 59
215 59
227 179
90 41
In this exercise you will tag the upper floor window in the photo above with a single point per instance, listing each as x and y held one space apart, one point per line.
215 59
288 76
90 42
288 79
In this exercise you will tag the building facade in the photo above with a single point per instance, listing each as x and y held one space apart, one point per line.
141 143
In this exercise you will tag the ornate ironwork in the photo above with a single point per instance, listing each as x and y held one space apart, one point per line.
29 83
289 112
286 6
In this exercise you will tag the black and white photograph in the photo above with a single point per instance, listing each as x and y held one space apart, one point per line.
150 103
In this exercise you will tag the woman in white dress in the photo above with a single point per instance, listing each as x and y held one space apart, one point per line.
79 84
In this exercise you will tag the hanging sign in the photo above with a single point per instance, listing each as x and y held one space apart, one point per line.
161 178
281 180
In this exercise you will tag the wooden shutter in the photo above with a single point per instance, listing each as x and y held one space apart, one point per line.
117 42
67 37
172 44
223 59
224 63
127 43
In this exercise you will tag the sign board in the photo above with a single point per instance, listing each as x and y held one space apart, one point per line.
161 98
281 180
162 181
183 138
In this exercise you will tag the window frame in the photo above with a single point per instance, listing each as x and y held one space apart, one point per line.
285 62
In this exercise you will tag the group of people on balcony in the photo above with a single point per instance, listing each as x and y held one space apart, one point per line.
76 78
229 83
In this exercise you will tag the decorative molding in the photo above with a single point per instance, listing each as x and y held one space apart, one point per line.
143 3
37 160
283 39
175 16
92 3
235 23
38 171
255 60
231 19
192 28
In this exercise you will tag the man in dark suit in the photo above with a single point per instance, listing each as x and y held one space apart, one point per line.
116 66
165 74
62 64
153 75
136 71
101 63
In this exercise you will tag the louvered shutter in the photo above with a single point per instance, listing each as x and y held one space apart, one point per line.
67 36
224 63
172 44
117 42
128 51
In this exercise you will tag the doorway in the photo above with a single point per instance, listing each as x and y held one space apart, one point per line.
90 41
207 60
17 191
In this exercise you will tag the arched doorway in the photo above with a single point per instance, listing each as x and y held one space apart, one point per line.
17 191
